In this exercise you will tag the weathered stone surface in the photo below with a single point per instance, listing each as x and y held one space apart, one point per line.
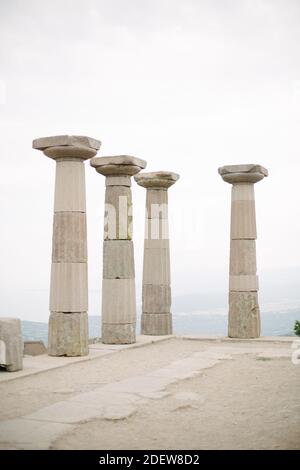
156 298
66 140
69 187
11 344
69 237
242 192
157 203
156 324
118 165
70 153
118 301
156 267
244 315
68 334
34 348
68 291
30 434
118 286
118 333
118 181
157 229
157 179
243 220
243 173
243 282
242 257
118 213
118 259
157 244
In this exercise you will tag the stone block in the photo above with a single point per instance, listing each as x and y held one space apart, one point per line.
34 348
243 220
70 187
66 140
69 237
249 173
68 334
157 204
156 179
118 333
156 298
242 257
156 229
243 283
118 213
242 192
157 244
118 181
156 266
244 315
11 344
118 301
69 291
118 165
118 259
156 324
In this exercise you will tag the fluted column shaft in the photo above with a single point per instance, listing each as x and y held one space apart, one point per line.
244 314
156 296
68 322
118 280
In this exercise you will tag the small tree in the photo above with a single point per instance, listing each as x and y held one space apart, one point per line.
297 328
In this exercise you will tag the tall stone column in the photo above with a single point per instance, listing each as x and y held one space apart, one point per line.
68 322
118 284
244 314
156 316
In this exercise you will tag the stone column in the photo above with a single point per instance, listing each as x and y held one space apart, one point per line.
68 322
156 316
118 284
244 315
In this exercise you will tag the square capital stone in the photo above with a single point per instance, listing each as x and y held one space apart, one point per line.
66 140
250 173
157 179
67 146
118 165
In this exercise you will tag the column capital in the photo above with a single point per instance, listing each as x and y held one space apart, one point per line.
235 174
67 146
119 165
156 179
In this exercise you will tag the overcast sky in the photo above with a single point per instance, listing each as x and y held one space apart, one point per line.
188 85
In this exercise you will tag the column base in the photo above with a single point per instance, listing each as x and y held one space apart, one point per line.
118 333
68 334
244 315
156 324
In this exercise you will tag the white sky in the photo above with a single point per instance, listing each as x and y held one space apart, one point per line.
188 85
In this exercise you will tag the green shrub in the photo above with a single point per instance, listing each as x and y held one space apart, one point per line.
297 328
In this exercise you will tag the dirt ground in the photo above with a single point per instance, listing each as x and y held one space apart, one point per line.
248 401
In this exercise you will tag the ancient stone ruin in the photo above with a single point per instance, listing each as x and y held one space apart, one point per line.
244 315
118 285
68 321
11 344
156 315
